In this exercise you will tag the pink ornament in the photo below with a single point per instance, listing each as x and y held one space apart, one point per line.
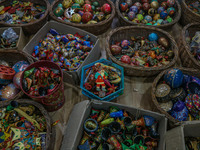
126 59
106 8
87 8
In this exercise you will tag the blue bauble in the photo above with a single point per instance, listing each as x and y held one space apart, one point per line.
118 114
174 78
163 14
180 111
148 18
153 37
134 9
161 9
149 121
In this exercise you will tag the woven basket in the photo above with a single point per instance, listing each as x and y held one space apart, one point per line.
122 33
125 22
188 60
172 121
32 27
98 28
43 112
12 57
187 15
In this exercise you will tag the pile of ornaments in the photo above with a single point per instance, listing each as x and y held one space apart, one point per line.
179 94
192 143
102 80
40 81
82 11
10 78
22 126
67 50
19 12
194 44
118 129
153 51
195 6
8 38
149 12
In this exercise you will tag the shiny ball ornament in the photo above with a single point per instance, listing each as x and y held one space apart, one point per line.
106 8
153 37
134 9
163 15
123 6
164 42
76 6
126 59
80 2
76 18
152 11
164 5
138 5
174 78
154 4
115 49
8 92
171 11
170 3
80 12
129 2
16 79
140 17
161 9
146 6
156 17
20 66
131 15
125 44
96 4
87 8
67 3
169 19
87 2
148 18
87 16
59 10
145 1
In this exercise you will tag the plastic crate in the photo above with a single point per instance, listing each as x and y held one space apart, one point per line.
110 97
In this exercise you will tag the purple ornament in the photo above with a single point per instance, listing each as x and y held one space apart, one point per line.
131 15
134 9
180 112
149 121
80 12
125 44
117 114
161 9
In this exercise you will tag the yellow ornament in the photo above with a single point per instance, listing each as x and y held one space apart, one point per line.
67 3
17 134
76 18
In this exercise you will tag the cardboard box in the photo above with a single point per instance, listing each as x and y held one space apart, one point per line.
21 40
175 138
65 29
81 111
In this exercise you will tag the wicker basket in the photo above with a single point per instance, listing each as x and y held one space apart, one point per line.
12 57
187 15
172 121
188 60
98 28
122 33
43 112
32 27
168 27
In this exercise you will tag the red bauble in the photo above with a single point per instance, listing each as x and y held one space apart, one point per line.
139 5
145 1
87 7
115 49
126 59
106 8
123 6
87 16
164 4
146 6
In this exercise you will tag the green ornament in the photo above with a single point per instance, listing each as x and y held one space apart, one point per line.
28 72
149 24
75 6
96 4
59 10
93 7
140 17
169 19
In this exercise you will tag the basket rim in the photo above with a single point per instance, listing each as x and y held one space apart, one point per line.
138 68
30 23
187 49
84 25
177 18
188 9
43 112
154 99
